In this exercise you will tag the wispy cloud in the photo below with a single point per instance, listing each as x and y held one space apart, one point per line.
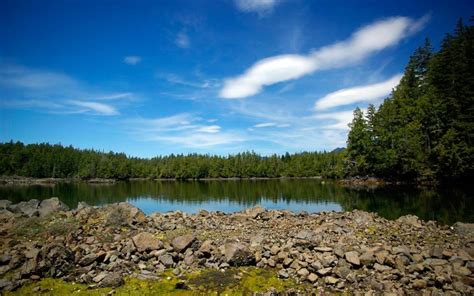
47 91
132 60
261 7
365 93
271 124
264 124
185 129
182 40
364 42
201 83
99 108
339 120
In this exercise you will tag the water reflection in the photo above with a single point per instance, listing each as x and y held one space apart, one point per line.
445 205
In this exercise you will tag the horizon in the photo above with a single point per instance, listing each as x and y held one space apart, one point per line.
214 78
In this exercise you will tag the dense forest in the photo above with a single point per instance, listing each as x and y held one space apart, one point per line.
425 129
56 161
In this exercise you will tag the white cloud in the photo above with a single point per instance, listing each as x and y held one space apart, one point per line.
115 96
182 40
271 124
132 60
340 120
54 92
184 129
176 79
99 108
211 129
365 93
364 42
259 6
265 124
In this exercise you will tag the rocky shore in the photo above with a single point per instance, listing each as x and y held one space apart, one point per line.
256 251
16 180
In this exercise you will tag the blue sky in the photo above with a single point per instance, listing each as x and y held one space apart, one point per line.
158 77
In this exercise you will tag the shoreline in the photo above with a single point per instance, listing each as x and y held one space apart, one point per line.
363 182
117 246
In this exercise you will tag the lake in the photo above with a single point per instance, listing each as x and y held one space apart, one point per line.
443 205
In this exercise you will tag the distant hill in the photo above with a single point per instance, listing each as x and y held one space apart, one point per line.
338 150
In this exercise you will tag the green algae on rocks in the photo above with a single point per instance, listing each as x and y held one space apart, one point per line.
234 281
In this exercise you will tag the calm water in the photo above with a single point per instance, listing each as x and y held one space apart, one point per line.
446 206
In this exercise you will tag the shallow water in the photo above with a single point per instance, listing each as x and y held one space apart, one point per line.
444 205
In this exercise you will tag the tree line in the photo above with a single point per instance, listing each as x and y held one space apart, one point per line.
425 129
55 161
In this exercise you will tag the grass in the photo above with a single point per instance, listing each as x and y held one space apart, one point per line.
236 281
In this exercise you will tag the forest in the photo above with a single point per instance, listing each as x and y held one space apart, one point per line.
425 129
55 161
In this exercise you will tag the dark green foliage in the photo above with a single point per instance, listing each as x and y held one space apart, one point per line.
46 161
425 129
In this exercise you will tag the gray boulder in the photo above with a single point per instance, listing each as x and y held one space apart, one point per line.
464 228
145 241
238 254
28 208
255 211
51 205
4 204
181 243
111 280
411 220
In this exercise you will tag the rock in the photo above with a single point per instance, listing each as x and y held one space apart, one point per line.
367 259
206 249
436 252
181 243
401 250
312 277
5 259
323 249
462 271
5 216
324 271
123 214
99 277
51 205
435 262
82 205
361 218
4 204
464 228
411 220
274 249
342 272
381 256
331 280
283 274
145 241
305 235
303 272
238 254
381 268
329 260
167 260
111 280
4 284
88 259
255 211
352 257
419 284
29 208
